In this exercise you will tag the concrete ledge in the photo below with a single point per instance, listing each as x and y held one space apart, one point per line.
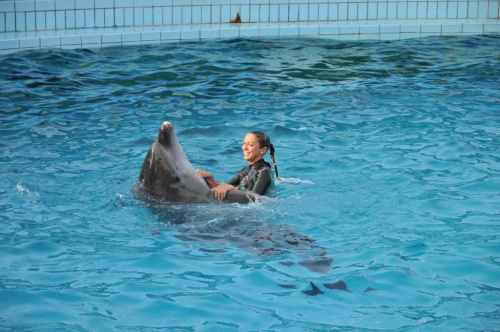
360 30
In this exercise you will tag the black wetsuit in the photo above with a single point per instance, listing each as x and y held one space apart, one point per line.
256 178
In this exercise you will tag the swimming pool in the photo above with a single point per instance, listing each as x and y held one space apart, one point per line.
389 158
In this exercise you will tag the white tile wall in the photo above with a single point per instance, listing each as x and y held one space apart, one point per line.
176 19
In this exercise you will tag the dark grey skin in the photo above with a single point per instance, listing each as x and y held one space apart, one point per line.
167 173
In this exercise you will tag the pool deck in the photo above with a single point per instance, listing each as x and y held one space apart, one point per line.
340 30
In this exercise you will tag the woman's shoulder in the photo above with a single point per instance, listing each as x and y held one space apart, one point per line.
262 165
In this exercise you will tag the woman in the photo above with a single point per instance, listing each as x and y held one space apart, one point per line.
256 177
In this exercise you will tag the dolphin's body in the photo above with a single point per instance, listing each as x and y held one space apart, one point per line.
167 173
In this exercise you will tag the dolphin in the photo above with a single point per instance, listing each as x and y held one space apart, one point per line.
313 291
340 285
170 184
167 173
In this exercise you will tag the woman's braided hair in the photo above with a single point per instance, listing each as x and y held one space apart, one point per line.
265 141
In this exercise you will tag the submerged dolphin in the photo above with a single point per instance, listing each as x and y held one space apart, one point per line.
167 173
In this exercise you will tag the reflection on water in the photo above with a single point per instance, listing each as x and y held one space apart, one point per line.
386 213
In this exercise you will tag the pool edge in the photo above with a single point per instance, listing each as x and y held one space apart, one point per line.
11 42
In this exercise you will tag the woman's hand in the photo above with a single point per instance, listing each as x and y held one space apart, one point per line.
221 190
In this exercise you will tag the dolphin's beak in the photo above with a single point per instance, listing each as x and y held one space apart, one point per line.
164 133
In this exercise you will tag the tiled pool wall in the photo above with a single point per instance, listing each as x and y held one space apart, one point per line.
32 24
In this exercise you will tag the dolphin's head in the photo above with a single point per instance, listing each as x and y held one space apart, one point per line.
167 173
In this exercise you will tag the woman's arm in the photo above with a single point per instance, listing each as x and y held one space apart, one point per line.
209 179
262 182
220 189
264 179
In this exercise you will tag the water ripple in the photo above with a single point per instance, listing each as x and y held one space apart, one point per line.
388 153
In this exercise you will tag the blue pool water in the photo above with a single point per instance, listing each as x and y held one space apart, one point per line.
389 160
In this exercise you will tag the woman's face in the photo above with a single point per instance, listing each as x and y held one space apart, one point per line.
252 152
